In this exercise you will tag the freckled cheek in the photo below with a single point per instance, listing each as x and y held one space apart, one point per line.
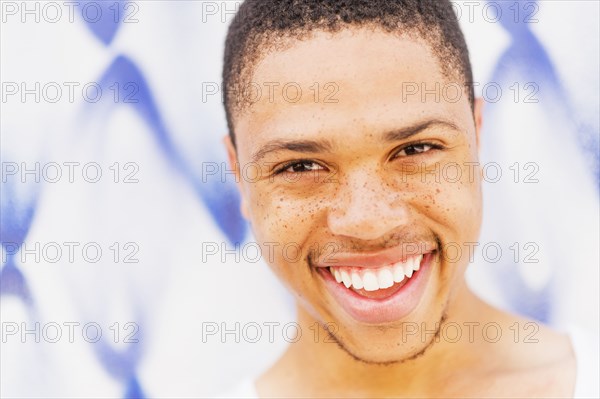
457 205
447 196
286 222
281 217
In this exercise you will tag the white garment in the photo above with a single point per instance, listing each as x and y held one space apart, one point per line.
587 383
244 390
586 348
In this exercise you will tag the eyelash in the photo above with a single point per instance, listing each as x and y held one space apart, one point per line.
285 167
288 165
431 146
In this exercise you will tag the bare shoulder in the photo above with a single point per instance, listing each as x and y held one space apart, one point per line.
531 360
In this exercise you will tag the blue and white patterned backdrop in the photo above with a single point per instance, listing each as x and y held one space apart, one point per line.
120 222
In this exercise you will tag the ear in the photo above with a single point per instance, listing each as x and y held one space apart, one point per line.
478 117
235 166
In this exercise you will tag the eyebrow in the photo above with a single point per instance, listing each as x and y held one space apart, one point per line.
303 146
409 131
314 146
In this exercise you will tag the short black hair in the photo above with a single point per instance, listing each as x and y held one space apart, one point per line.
261 25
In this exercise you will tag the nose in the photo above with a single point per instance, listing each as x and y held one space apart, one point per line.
366 207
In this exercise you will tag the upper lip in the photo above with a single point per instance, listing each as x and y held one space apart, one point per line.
381 258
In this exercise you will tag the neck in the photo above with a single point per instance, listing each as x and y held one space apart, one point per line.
317 364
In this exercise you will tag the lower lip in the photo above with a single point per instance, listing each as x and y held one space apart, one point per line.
382 310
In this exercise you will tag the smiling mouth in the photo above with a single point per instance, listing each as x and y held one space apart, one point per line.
376 279
375 289
377 282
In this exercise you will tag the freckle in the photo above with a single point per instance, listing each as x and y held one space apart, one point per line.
437 190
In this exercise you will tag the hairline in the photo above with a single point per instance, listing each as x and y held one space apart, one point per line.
251 60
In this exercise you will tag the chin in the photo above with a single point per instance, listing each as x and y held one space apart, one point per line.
389 344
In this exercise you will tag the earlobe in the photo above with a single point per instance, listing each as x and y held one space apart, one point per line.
478 117
244 208
231 154
234 165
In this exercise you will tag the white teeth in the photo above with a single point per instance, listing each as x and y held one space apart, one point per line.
370 281
346 279
398 272
417 265
376 278
356 281
337 275
412 265
385 278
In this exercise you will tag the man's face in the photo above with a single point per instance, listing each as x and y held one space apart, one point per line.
359 174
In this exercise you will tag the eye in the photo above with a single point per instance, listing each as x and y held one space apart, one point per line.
300 167
415 149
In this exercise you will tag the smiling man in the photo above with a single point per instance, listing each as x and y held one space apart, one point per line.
357 108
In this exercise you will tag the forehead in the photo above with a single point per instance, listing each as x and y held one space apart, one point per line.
355 80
